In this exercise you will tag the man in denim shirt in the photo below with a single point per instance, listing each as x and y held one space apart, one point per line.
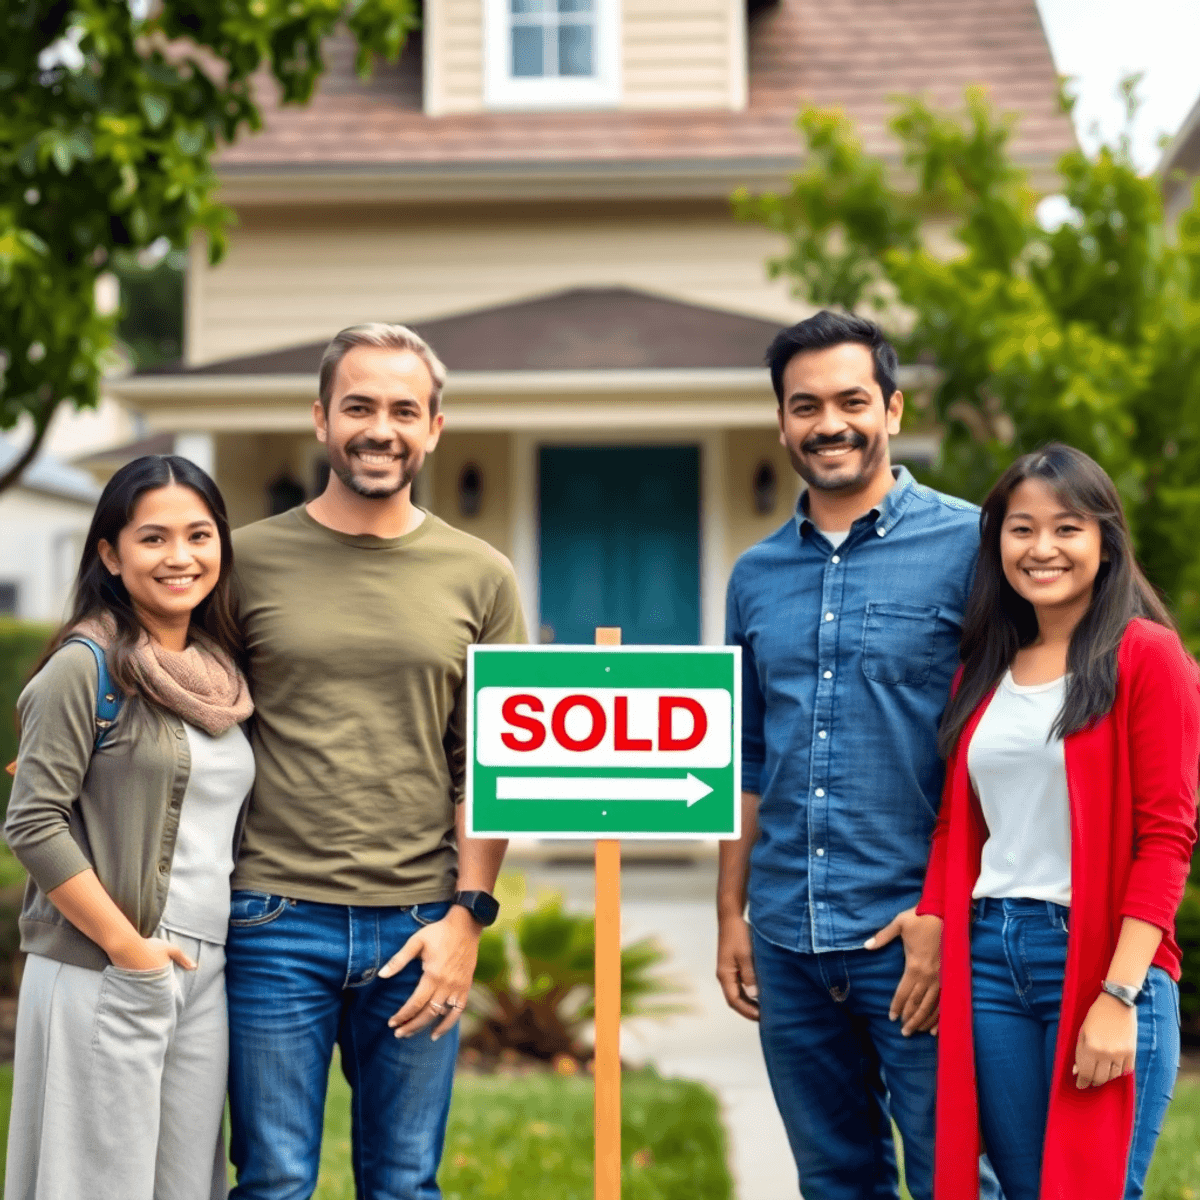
848 618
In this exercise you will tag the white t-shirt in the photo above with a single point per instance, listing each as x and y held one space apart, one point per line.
221 775
1021 780
835 539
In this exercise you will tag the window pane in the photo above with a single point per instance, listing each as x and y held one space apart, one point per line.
527 6
527 56
575 50
574 6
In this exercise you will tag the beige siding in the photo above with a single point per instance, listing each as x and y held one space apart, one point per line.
454 56
491 453
297 276
248 462
745 449
683 54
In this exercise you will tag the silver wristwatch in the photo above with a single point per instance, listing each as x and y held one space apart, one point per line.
1122 991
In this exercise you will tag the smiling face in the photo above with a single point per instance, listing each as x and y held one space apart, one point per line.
168 556
1050 554
378 427
834 421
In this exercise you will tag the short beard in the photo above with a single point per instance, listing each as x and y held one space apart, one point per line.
341 467
872 456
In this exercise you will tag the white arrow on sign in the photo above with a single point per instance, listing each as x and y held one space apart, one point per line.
541 787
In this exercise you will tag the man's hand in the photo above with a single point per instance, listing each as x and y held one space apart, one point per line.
1107 1045
735 966
447 949
916 998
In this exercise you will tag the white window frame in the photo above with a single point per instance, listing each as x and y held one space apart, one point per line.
502 90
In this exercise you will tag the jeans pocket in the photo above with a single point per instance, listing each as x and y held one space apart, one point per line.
429 912
898 641
255 908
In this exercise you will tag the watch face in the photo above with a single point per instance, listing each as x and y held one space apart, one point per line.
482 906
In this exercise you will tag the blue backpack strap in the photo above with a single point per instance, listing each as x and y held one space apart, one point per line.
108 696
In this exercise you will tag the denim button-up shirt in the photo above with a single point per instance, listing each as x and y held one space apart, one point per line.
847 658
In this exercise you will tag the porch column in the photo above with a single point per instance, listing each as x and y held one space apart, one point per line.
200 448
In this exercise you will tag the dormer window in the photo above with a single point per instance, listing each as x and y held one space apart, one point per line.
552 53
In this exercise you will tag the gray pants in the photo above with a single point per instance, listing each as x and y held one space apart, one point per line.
119 1081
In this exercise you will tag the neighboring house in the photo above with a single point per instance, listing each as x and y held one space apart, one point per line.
543 190
1180 166
43 522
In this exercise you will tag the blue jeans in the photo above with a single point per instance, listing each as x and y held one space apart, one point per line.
301 977
1018 954
840 1069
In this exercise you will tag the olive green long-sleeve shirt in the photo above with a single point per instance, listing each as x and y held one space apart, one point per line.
358 660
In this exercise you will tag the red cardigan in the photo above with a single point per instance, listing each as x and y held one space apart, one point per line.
1131 779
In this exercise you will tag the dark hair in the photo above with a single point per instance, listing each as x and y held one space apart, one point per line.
98 593
827 329
998 622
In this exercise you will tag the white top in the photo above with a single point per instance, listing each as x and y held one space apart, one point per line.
1021 780
835 539
220 779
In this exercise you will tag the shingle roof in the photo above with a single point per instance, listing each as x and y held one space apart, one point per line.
580 329
857 54
51 477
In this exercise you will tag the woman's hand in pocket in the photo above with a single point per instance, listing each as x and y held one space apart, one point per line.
150 954
1107 1043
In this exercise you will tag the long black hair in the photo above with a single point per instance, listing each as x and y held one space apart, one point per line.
98 593
998 622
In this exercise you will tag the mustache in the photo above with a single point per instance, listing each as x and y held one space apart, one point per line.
372 447
819 441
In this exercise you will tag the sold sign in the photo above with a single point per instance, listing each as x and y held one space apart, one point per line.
599 742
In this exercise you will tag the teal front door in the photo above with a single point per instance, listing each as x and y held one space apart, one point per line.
620 543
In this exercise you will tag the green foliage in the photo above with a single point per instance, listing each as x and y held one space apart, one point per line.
107 146
535 978
1088 332
1187 934
150 325
21 644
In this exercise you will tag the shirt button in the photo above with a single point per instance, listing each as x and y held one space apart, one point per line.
179 733
828 674
819 793
164 868
829 616
837 558
821 853
821 733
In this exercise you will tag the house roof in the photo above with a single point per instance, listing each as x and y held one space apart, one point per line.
1183 152
51 477
580 329
857 54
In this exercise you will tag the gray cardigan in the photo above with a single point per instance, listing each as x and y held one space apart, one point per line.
116 810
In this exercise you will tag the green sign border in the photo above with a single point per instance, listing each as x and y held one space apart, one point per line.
627 666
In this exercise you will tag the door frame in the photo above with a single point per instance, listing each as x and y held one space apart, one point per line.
526 534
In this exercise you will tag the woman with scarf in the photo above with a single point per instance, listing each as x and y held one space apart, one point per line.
126 827
1062 848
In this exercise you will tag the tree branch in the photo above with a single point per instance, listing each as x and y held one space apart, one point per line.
41 424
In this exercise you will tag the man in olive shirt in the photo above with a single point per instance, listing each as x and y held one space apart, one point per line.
358 900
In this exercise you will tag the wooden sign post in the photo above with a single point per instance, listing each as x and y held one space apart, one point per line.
603 743
608 1003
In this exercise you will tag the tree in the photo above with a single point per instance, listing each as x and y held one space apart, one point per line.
1085 330
110 115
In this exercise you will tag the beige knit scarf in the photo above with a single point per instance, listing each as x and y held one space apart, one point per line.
200 684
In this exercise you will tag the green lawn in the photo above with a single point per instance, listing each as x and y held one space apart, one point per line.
531 1137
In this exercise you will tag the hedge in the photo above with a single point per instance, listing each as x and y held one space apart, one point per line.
21 644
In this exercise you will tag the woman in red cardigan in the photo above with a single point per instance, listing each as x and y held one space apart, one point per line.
1062 848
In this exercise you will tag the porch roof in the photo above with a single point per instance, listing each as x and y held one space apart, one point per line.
581 329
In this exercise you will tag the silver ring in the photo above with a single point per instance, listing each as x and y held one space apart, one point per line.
457 1006
435 1005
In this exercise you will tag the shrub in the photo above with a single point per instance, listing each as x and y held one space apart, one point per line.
535 979
1187 933
21 643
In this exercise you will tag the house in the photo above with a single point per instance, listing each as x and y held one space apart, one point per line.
44 519
1180 166
542 190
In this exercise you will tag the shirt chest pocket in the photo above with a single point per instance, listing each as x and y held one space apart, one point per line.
898 642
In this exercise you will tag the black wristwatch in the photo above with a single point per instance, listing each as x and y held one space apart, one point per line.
483 906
